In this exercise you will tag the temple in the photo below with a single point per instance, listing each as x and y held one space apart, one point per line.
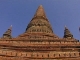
39 42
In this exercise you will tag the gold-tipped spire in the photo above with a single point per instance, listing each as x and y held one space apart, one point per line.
67 33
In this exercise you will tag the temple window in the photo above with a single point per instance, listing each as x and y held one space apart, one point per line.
42 55
54 55
16 54
29 37
69 54
11 53
48 55
26 54
37 30
59 54
64 54
49 42
34 36
38 24
37 55
40 30
31 55
21 54
74 54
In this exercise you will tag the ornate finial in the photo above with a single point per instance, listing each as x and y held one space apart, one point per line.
67 33
10 27
65 26
40 5
7 34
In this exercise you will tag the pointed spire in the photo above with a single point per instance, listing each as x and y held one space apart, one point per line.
7 34
40 12
39 22
67 33
10 27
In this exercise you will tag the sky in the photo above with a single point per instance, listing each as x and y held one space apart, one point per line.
18 13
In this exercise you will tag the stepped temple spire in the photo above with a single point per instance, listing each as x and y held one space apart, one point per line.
7 34
39 23
67 33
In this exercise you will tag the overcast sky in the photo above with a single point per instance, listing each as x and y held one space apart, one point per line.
18 13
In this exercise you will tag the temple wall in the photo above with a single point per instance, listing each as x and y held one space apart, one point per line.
39 54
27 43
